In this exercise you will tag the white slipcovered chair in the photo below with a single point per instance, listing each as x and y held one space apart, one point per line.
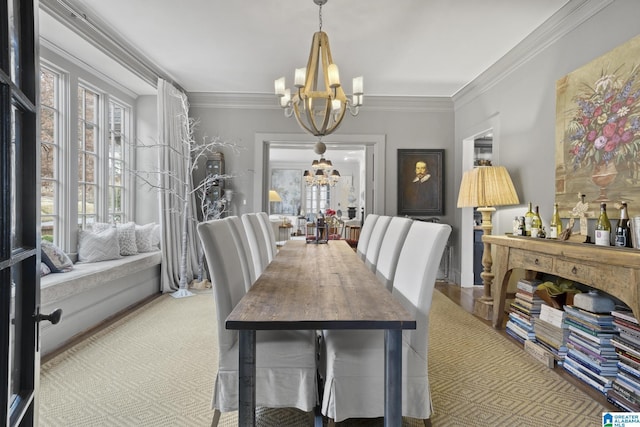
269 234
242 240
375 240
353 361
390 249
365 234
257 242
285 360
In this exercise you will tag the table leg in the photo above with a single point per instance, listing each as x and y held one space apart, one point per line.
247 378
393 378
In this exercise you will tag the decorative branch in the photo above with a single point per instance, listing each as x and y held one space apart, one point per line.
191 154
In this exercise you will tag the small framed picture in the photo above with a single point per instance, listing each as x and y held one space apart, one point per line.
420 182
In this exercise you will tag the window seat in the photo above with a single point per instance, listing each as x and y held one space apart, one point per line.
93 292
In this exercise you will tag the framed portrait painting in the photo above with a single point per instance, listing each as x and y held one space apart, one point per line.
420 182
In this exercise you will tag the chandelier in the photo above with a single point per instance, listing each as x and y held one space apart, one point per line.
318 100
322 172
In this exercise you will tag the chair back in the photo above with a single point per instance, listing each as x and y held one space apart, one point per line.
269 234
415 276
390 249
224 260
375 240
240 235
365 234
257 242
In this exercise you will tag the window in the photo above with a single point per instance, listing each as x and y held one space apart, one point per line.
49 153
116 155
73 199
88 141
317 198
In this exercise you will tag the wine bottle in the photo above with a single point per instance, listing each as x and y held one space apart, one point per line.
536 223
623 231
527 221
555 225
603 227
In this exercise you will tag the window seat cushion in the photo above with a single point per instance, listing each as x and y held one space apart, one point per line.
85 276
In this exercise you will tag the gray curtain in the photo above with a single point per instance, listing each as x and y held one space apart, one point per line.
177 204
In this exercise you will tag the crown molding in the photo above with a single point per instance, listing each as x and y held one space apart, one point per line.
81 64
270 102
570 16
100 35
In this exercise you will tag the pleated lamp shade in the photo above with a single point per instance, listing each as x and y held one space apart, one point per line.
487 186
274 196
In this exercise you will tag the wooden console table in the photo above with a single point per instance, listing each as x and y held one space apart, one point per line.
615 271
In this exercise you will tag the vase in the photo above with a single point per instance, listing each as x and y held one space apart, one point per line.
603 175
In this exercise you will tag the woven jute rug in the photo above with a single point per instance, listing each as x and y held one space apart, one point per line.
156 367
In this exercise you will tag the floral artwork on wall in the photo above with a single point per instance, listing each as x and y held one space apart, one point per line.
598 132
288 185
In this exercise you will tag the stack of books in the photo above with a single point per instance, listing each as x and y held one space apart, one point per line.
591 356
552 332
625 392
524 308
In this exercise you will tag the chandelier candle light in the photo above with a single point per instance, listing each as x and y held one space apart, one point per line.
318 100
324 173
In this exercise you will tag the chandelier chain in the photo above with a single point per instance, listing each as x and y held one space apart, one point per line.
320 16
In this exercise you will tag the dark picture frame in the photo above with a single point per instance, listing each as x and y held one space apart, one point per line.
420 196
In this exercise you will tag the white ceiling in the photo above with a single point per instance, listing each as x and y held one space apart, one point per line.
401 47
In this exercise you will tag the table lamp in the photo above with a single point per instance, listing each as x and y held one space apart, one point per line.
273 197
485 187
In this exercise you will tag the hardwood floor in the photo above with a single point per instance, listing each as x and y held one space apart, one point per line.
464 298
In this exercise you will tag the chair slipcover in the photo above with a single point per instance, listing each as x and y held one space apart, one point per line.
257 242
390 249
375 240
242 241
285 360
269 234
365 234
353 361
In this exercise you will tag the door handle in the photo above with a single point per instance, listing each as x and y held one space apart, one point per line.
53 317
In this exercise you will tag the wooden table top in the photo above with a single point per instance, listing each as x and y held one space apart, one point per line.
318 286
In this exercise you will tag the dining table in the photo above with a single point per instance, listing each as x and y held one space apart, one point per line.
311 286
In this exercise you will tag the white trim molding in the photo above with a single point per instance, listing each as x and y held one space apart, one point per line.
570 16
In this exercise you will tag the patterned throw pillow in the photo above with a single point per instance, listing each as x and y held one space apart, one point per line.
126 236
144 237
101 246
44 269
55 258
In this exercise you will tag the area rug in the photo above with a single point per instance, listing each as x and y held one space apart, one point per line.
156 366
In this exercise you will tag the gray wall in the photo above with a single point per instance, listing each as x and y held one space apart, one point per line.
522 101
406 122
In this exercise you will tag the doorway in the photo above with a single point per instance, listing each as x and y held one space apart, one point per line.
371 147
485 132
19 213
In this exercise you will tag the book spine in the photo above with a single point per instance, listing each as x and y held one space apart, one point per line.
626 391
551 317
584 378
604 381
593 338
618 343
628 316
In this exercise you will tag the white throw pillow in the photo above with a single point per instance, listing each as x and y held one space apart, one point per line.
144 237
101 246
156 236
126 236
